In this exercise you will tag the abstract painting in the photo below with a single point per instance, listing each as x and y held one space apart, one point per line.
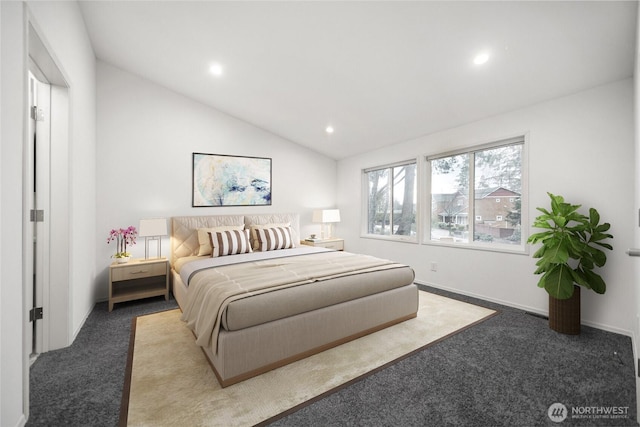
222 180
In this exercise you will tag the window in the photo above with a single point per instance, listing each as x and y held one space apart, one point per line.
392 201
481 182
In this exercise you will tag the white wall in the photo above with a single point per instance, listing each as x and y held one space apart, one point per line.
61 28
12 106
146 137
636 234
581 147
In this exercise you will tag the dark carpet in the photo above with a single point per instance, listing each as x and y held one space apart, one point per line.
81 385
506 371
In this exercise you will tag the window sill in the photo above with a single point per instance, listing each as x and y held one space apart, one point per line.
509 249
400 239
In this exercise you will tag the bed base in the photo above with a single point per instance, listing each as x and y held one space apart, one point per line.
249 352
253 351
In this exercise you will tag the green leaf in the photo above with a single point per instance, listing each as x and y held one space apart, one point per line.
557 252
541 269
558 282
540 252
587 263
537 237
605 245
596 281
560 220
580 278
599 258
544 211
555 202
541 282
597 236
594 217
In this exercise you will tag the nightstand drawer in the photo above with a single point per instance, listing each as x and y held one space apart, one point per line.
335 244
138 271
338 246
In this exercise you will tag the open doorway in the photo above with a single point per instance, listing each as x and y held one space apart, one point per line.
37 195
46 203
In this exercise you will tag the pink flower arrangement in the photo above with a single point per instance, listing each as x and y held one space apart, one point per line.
123 237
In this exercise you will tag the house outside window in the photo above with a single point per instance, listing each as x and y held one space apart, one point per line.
391 197
484 183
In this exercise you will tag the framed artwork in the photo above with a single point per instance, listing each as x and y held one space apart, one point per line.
221 180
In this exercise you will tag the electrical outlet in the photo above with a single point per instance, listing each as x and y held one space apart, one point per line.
434 266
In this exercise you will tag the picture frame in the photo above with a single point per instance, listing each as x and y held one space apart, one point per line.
226 180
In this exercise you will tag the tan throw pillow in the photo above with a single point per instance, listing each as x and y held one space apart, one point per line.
255 228
205 242
229 242
271 239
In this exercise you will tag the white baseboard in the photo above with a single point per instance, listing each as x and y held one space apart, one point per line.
79 328
545 313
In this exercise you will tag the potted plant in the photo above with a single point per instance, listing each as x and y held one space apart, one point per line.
123 237
572 248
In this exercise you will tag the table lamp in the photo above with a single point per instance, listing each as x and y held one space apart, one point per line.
326 217
153 229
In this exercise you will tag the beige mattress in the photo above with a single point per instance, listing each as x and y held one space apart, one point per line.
282 303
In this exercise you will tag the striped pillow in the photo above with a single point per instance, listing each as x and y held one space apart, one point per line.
229 242
205 241
271 239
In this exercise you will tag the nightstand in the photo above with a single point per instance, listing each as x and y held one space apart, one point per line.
333 243
138 279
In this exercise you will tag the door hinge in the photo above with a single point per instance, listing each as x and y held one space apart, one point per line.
36 215
35 314
37 114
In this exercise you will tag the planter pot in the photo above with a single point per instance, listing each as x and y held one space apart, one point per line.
123 260
564 314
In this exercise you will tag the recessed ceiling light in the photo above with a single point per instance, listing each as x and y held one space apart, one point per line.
216 69
329 129
481 58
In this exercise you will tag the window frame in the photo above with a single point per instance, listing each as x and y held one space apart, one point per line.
364 232
522 248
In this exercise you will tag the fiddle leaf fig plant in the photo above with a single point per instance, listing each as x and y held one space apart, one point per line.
572 247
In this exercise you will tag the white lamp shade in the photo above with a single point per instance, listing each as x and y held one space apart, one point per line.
326 215
153 227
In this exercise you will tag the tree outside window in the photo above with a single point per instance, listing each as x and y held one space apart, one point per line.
392 200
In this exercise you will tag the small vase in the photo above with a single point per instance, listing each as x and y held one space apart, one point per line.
123 260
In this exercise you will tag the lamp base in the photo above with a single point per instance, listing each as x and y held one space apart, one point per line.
158 240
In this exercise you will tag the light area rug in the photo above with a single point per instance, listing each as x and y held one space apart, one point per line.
170 382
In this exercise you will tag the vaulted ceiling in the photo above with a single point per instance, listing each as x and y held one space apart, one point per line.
377 72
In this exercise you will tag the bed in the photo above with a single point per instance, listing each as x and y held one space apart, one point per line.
256 299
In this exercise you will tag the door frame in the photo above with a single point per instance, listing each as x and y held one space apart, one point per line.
56 303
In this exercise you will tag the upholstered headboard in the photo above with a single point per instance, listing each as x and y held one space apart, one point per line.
184 229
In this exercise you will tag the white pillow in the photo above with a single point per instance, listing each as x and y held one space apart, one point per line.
205 241
255 228
274 238
229 242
